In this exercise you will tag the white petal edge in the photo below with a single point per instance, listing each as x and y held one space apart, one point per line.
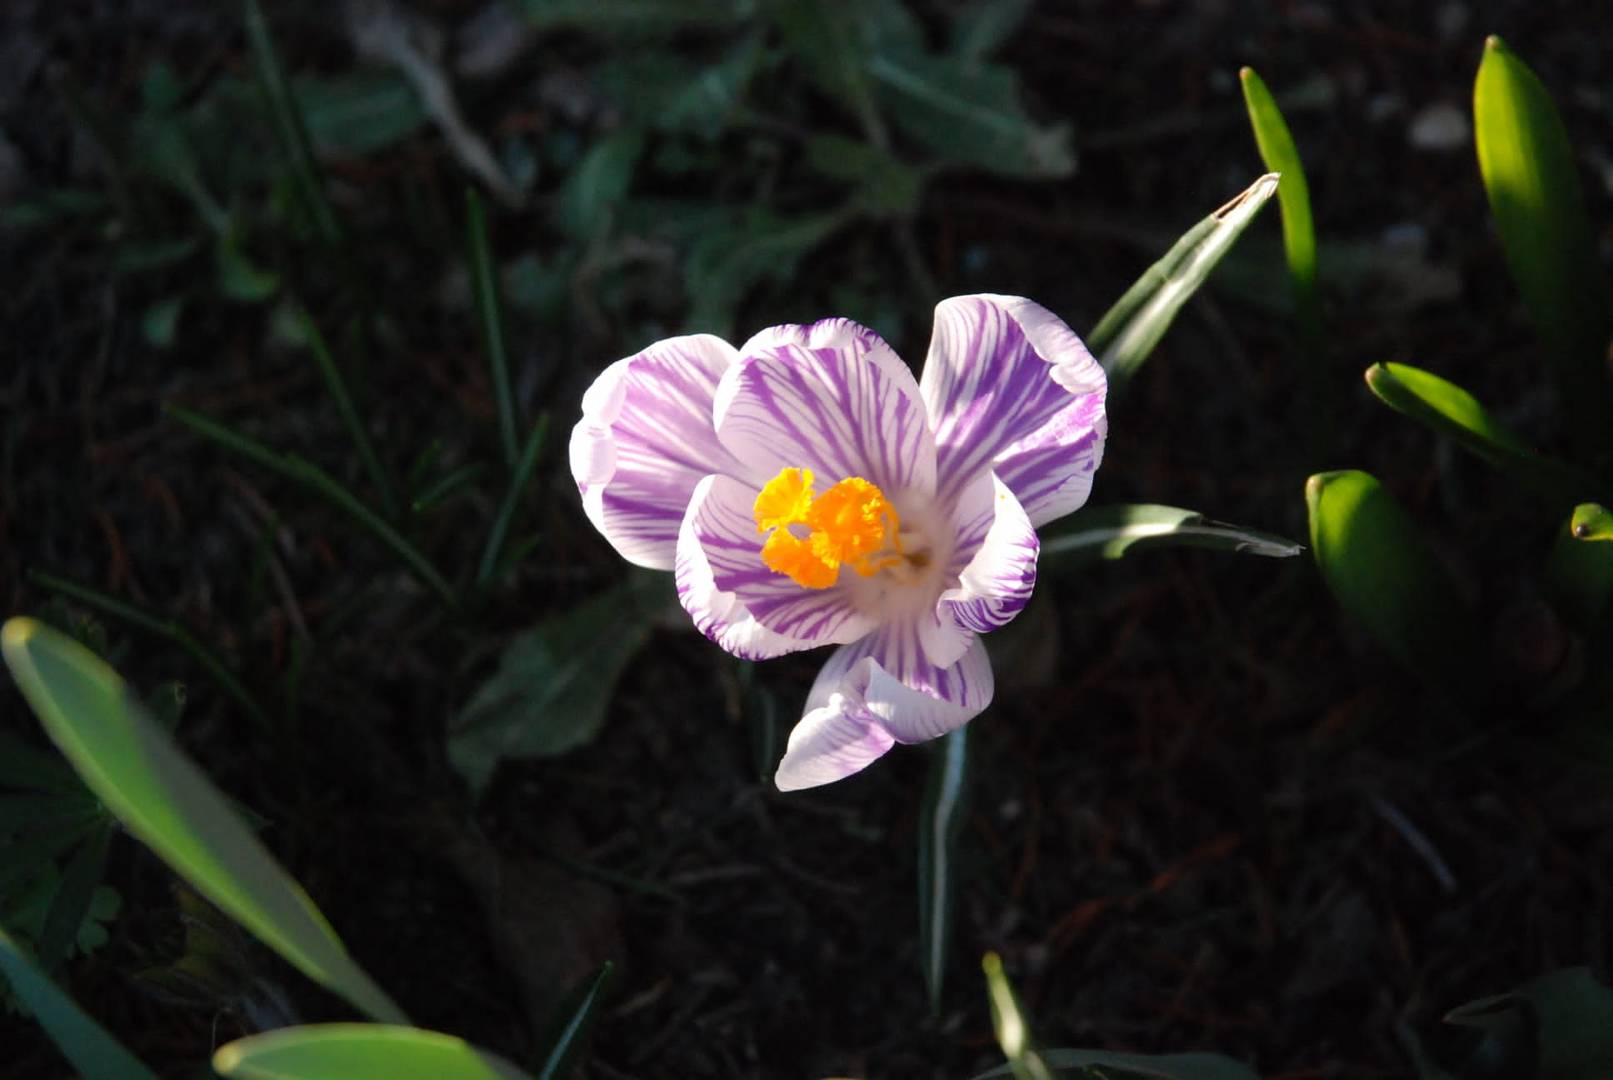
996 582
858 708
657 478
719 615
987 412
909 426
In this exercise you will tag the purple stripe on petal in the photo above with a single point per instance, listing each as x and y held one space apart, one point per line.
995 560
645 439
830 744
831 397
719 614
884 682
1010 387
731 549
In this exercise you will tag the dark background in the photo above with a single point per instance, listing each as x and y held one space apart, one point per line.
1195 795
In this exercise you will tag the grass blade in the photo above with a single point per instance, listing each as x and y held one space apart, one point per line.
1281 156
1010 1025
940 825
166 802
438 491
572 1024
289 124
343 1051
160 625
490 321
94 1053
316 480
1110 532
1129 331
1534 191
1383 573
74 893
493 552
337 387
1452 411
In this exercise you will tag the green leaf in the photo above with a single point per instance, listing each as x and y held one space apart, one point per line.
164 801
1534 190
138 258
1579 570
670 92
1110 532
1141 1066
1383 573
484 281
885 186
1281 156
572 1023
828 38
985 26
1592 522
321 483
969 114
637 18
159 324
93 1052
50 207
728 262
761 710
239 278
552 686
342 398
70 905
1556 1027
492 553
941 818
1452 411
358 113
289 123
344 1051
153 623
1128 332
598 183
1009 1023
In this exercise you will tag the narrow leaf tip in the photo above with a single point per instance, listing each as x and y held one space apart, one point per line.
17 631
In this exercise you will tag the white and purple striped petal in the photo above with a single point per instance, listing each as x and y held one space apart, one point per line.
831 397
877 691
995 561
735 599
1009 387
645 440
830 743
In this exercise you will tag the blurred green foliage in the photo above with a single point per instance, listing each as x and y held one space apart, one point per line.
1374 557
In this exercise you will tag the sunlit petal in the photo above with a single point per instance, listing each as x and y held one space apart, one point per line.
878 691
1010 388
645 439
735 599
830 397
995 560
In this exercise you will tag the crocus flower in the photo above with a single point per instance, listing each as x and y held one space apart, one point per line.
806 490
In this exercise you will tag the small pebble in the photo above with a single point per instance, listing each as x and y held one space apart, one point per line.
1439 128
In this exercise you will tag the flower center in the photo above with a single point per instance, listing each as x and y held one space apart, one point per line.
851 524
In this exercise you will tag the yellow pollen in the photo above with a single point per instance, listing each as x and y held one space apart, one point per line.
852 524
